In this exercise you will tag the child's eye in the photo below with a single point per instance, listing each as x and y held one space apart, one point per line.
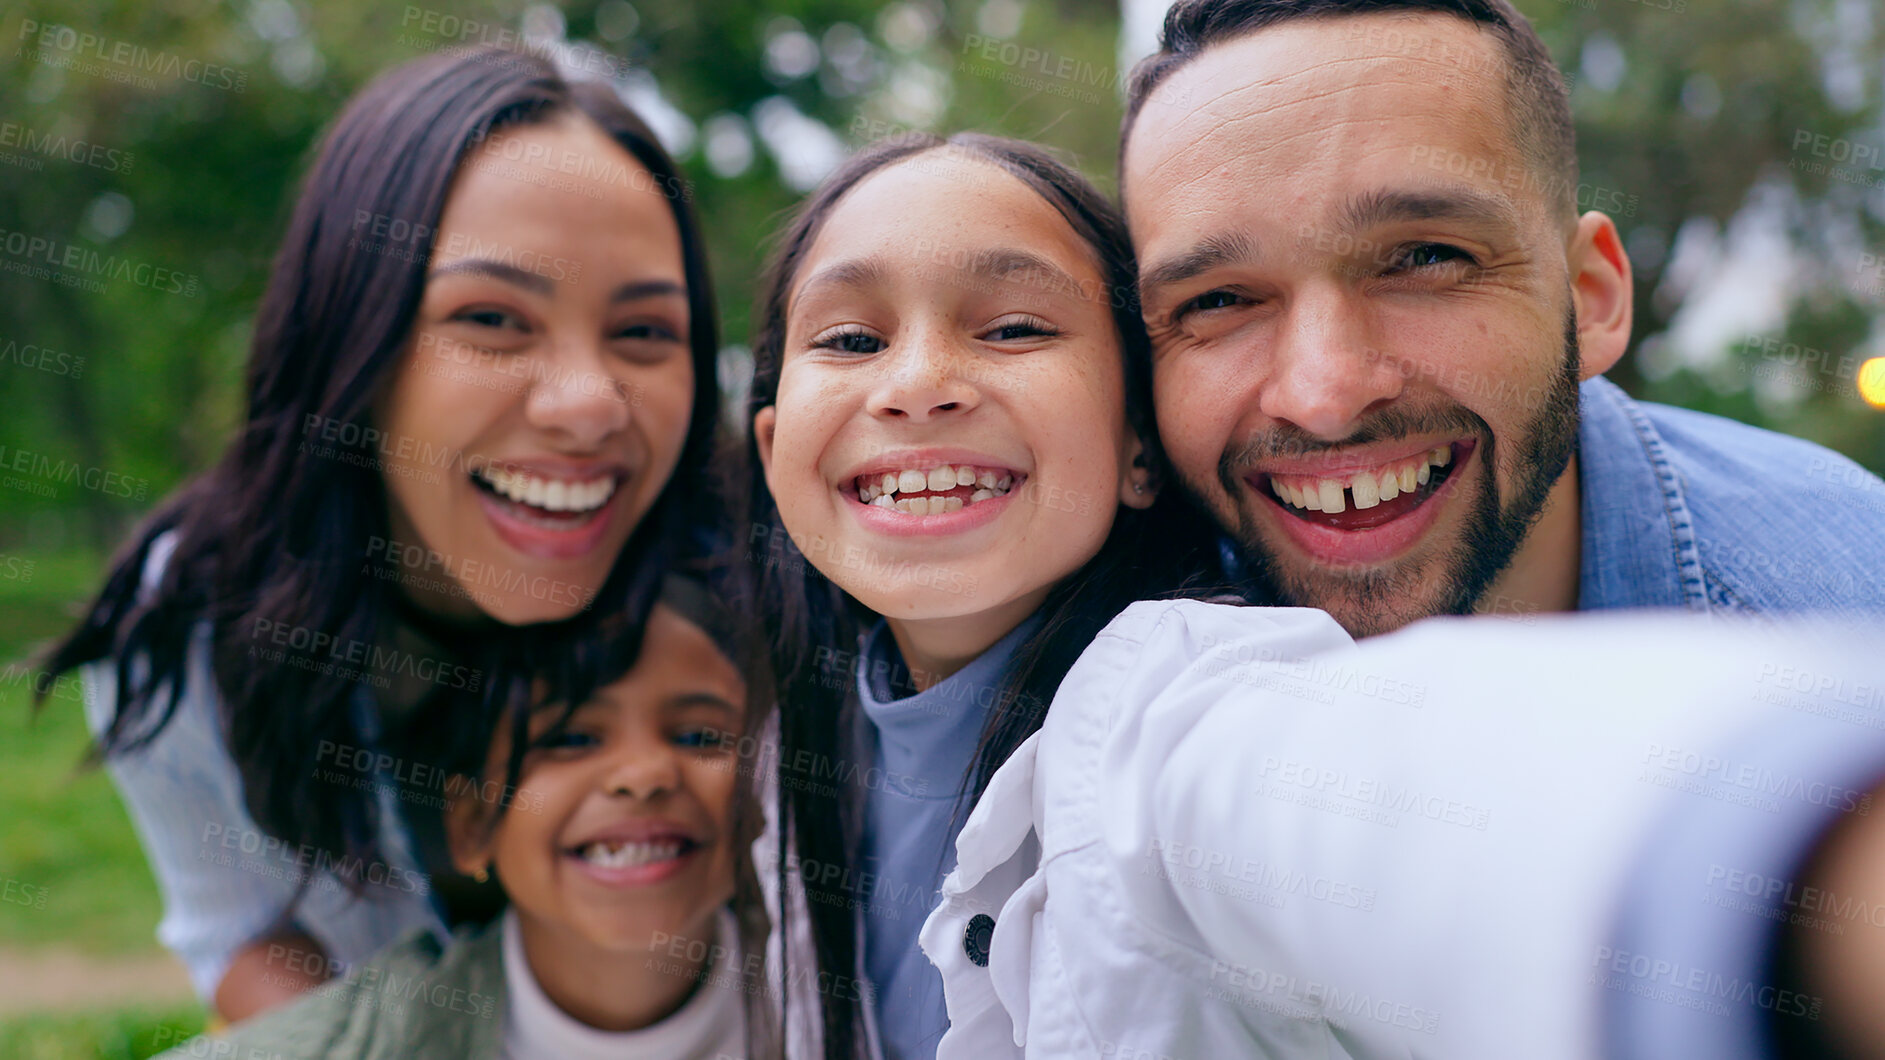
849 340
1026 327
704 739
567 740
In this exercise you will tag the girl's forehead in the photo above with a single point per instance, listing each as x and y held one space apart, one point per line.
944 205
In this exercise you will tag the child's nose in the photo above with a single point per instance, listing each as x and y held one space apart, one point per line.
641 771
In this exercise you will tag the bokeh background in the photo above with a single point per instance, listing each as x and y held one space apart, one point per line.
150 147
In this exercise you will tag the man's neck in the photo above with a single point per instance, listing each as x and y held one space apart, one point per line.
1545 571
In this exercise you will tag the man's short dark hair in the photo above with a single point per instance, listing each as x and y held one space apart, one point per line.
1534 87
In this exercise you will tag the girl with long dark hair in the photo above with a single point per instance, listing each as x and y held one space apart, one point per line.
481 399
960 481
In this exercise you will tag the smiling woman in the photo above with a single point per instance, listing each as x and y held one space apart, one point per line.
481 401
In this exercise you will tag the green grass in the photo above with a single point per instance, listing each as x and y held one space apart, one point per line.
131 1034
78 877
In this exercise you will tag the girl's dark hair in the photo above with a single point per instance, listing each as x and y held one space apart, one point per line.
276 537
805 615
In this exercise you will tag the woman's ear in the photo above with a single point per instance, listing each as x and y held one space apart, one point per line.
765 422
468 826
1137 489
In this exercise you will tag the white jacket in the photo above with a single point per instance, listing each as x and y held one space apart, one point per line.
1413 847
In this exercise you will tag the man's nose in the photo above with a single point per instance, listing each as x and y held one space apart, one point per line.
1327 368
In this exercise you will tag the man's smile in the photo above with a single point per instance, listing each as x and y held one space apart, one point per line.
1368 511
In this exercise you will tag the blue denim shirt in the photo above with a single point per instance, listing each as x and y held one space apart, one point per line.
1683 509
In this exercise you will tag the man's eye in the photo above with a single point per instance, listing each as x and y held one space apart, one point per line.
1206 302
850 341
1427 255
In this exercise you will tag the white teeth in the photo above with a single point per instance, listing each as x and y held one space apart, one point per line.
980 495
1004 481
885 500
556 495
942 478
1369 488
912 481
1331 496
625 855
908 506
881 489
965 476
887 484
1367 491
986 480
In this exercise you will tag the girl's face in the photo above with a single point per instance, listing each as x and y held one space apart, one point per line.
622 826
544 400
949 438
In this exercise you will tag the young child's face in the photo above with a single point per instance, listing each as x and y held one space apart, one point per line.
624 825
949 437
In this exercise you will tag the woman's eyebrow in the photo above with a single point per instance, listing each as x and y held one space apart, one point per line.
638 289
497 270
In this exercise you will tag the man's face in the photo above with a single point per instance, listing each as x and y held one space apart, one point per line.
1356 282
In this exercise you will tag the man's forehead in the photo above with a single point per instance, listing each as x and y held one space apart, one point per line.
1307 99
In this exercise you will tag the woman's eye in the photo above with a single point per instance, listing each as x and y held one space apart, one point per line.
490 318
1014 330
852 341
648 333
1428 255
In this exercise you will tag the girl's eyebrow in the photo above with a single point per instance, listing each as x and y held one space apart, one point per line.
995 263
702 699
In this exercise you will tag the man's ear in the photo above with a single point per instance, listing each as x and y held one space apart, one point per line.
1136 486
1603 292
765 422
468 819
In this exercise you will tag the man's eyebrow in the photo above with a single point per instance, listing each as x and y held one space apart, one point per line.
1448 203
1208 254
497 270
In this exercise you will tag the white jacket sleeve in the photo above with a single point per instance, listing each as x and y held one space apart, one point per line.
1424 841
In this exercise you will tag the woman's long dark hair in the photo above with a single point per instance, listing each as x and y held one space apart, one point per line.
273 538
804 612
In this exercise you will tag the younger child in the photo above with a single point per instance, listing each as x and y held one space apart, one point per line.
617 841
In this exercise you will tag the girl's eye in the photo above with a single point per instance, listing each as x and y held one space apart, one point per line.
1023 328
1429 255
704 739
850 340
567 740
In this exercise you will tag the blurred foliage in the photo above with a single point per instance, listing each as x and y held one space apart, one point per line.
1685 109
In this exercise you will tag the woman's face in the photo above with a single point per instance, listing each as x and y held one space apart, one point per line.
622 825
544 398
949 438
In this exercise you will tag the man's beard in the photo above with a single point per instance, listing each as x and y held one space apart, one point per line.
1382 599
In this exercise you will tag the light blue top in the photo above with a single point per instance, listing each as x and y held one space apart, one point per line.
924 743
1683 509
224 881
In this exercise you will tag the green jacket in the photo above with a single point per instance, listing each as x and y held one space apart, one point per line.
410 1000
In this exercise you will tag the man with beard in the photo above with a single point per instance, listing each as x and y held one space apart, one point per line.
1379 328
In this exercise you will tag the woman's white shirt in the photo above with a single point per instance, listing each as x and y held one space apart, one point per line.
1239 834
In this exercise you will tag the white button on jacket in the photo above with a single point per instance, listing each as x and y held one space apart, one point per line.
1238 834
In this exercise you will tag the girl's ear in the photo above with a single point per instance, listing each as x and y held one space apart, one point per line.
468 826
1136 487
765 422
